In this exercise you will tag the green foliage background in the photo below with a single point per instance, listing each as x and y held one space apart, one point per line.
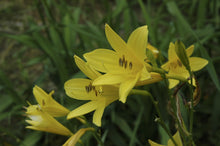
39 38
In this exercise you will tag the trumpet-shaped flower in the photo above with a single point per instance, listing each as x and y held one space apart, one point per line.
176 138
48 104
100 96
124 66
175 67
43 121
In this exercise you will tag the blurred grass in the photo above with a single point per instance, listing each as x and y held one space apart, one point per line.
39 38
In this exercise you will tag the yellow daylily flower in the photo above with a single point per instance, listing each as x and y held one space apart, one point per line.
176 138
43 121
124 66
48 104
82 89
76 137
175 67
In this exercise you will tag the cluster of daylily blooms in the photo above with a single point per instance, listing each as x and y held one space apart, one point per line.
112 74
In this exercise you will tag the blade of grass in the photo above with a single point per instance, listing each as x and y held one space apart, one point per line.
46 46
5 102
136 125
122 124
25 39
8 85
31 139
148 21
201 13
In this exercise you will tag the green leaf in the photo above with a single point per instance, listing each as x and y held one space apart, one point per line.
5 102
122 124
23 38
31 139
136 125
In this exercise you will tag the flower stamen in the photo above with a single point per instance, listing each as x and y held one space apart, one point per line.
90 88
130 65
124 63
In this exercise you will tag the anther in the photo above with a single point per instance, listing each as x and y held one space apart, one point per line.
120 62
43 102
87 89
130 65
123 60
96 93
126 64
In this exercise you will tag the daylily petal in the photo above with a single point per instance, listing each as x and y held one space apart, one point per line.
137 41
48 104
40 95
97 116
54 111
115 40
166 66
152 143
126 87
83 109
43 121
197 63
110 79
177 139
76 137
109 92
171 52
86 69
104 60
153 50
155 77
172 83
190 50
145 74
76 88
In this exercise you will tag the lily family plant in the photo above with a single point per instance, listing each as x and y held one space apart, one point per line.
112 75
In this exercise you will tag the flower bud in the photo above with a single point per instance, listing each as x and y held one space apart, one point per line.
181 53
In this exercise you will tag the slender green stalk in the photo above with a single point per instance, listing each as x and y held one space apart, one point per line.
159 120
95 134
191 107
162 72
97 137
176 77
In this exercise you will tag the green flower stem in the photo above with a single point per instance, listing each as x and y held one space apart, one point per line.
159 120
157 70
176 78
98 138
191 107
163 72
94 132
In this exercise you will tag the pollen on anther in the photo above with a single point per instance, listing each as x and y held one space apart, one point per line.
130 65
96 93
43 102
126 64
123 60
120 62
87 88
